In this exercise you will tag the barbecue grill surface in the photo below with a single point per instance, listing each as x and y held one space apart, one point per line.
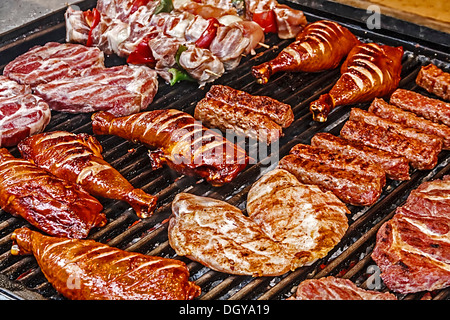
20 277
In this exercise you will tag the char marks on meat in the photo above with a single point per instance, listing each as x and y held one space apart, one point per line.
121 90
51 204
78 159
331 288
412 249
42 64
277 236
434 80
21 113
89 270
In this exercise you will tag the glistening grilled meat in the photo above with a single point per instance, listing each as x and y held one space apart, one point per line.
53 205
180 141
78 159
412 249
89 270
277 236
370 71
331 288
320 46
434 80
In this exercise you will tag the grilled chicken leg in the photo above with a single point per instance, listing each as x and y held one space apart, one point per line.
370 71
88 270
78 158
53 205
180 141
320 46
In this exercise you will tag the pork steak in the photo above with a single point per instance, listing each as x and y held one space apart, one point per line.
413 248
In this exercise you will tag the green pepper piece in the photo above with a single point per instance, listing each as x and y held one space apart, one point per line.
180 50
179 75
164 6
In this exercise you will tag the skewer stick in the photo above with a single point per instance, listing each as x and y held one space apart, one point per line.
262 44
212 73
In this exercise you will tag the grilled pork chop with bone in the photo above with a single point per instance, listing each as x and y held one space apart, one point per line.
289 225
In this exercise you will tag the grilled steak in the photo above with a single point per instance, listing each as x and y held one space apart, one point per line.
413 248
89 270
51 204
331 288
121 90
395 166
431 109
434 80
420 155
289 225
42 64
411 120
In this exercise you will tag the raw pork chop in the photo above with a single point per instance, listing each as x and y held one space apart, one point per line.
413 248
120 90
52 61
331 288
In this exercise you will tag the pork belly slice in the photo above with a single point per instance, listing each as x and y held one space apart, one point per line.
332 288
120 90
413 248
42 64
395 166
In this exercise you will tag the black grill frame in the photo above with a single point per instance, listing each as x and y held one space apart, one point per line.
349 259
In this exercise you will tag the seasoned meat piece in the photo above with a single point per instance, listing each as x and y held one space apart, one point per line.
412 249
359 115
276 237
431 109
370 71
21 116
331 288
53 205
121 90
10 88
340 161
280 113
228 45
216 114
78 159
320 46
420 155
289 21
411 120
348 186
257 117
42 64
89 270
395 166
434 80
180 141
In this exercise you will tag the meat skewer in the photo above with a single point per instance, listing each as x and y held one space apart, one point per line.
411 120
395 166
370 71
178 140
78 159
53 205
89 270
320 46
432 109
434 80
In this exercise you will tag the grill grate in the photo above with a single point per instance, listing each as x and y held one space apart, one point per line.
349 259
